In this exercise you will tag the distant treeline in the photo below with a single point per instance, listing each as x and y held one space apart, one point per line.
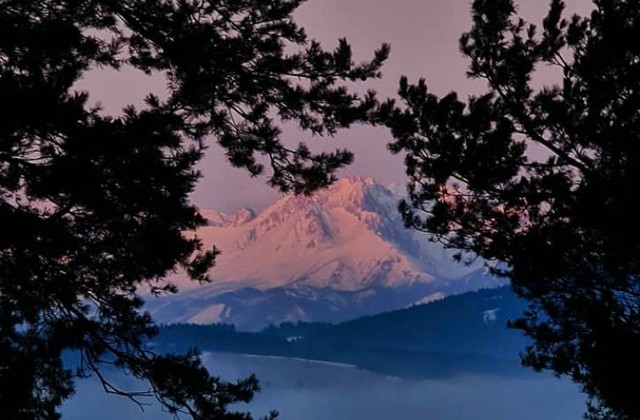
459 334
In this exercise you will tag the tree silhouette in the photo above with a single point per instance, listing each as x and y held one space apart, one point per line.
541 182
94 207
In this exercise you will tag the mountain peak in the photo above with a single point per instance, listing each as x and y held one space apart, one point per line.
353 183
243 216
348 236
221 219
343 248
356 179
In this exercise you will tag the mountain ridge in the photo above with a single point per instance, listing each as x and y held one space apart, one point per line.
347 237
336 255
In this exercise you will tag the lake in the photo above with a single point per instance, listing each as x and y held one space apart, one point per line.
308 390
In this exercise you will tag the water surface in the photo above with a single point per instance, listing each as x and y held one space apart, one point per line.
309 390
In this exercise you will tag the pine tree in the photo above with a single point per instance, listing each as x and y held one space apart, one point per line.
94 208
542 182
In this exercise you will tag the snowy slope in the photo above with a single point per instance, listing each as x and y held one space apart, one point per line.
347 237
338 254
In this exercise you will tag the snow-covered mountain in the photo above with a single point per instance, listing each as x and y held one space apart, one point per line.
340 253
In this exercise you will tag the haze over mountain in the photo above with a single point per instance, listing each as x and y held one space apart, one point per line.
336 255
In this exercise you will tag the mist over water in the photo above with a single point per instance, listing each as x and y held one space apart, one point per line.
312 391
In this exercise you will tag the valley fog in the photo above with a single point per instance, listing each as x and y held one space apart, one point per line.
312 391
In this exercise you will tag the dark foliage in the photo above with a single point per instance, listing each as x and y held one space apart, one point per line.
94 207
542 182
457 335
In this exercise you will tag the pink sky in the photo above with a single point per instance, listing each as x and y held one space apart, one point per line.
424 43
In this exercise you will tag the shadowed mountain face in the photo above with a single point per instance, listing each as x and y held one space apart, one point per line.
339 254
